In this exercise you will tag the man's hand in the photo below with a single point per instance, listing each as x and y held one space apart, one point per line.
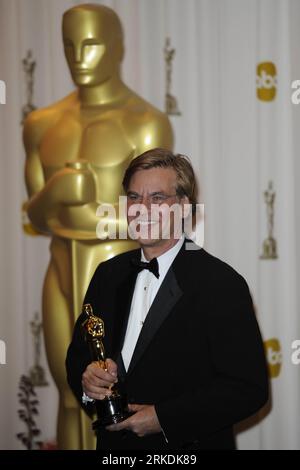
143 422
96 382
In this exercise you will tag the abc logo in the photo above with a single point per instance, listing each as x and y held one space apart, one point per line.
274 356
266 81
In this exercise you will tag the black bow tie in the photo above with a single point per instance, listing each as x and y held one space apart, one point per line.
152 266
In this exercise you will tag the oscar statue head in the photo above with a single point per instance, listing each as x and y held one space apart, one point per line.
93 43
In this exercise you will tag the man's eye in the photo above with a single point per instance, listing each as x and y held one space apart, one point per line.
132 197
158 198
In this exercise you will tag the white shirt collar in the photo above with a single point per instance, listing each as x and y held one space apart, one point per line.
166 259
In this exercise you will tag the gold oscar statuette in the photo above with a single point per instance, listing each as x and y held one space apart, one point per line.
114 408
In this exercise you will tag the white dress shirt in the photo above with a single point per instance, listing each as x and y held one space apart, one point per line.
146 288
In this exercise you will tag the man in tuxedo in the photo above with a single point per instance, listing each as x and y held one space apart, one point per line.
180 330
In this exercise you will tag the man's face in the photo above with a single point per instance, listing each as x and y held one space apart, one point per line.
150 196
90 47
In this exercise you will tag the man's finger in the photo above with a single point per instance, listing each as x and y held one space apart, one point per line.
112 367
118 426
89 379
96 396
95 390
102 374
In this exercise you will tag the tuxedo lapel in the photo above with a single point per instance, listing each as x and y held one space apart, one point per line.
165 300
124 295
121 367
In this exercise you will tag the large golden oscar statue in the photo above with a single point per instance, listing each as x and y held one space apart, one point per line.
77 150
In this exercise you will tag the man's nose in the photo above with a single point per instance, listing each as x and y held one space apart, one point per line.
146 202
143 207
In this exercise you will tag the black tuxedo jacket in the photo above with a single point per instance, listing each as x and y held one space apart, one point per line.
199 358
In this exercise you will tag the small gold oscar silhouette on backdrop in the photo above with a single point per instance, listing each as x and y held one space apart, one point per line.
269 244
171 104
29 68
37 373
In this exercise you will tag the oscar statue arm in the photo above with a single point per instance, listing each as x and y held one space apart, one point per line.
34 175
69 186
